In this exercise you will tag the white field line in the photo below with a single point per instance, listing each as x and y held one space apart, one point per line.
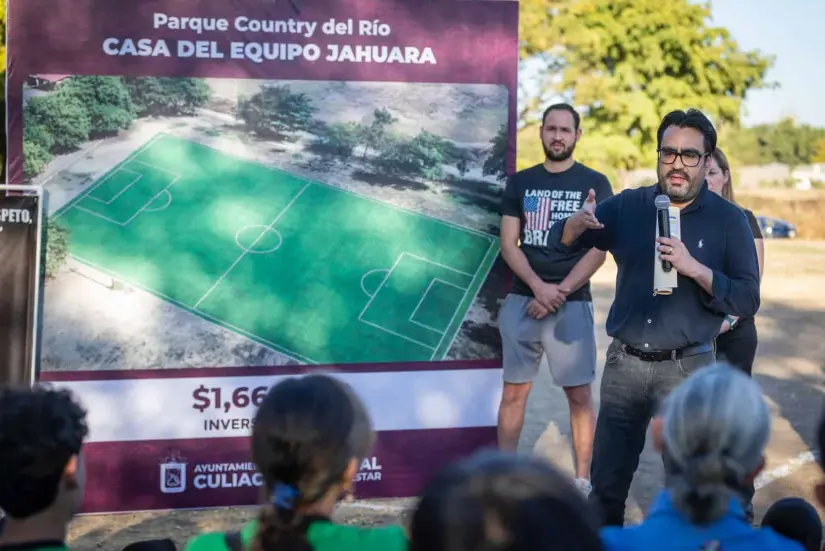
252 246
784 470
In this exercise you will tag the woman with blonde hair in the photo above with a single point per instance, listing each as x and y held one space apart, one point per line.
737 341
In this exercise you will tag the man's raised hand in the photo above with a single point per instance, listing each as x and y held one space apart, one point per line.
587 213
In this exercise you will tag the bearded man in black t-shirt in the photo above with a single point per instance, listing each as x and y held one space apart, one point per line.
549 310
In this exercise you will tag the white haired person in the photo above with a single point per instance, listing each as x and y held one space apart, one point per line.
712 431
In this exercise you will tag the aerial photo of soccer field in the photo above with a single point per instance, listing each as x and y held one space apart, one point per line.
313 271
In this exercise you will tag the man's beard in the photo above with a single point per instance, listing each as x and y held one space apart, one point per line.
565 153
684 194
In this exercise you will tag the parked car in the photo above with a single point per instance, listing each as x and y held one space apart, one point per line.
776 228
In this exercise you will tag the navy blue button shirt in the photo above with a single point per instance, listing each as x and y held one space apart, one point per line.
714 231
666 528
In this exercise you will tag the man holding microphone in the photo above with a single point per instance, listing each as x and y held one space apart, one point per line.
659 340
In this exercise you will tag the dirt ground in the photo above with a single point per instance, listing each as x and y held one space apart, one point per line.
790 366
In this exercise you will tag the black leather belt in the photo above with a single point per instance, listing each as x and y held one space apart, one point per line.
669 355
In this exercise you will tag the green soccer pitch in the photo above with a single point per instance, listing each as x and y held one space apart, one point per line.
318 273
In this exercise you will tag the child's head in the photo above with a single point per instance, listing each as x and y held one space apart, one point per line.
309 438
41 436
796 519
498 501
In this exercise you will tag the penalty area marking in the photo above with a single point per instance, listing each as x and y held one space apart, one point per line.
163 207
135 180
384 281
424 297
366 275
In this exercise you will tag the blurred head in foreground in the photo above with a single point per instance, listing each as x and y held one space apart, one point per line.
796 519
42 476
712 431
499 501
309 438
820 488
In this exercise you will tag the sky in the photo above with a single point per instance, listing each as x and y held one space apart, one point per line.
794 32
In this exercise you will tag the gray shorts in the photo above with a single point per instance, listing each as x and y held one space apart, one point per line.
567 338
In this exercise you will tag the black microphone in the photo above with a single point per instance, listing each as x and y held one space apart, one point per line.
662 203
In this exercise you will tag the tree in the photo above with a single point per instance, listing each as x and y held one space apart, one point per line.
107 101
496 162
785 142
275 112
424 156
341 139
377 131
819 156
63 116
57 247
624 64
167 96
36 133
35 159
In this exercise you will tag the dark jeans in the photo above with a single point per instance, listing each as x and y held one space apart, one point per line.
738 347
631 391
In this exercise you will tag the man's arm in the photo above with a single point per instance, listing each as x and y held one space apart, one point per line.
546 293
592 226
734 291
583 271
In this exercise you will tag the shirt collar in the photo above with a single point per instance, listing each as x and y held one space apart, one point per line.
655 190
663 505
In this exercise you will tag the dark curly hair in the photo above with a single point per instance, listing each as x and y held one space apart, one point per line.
41 429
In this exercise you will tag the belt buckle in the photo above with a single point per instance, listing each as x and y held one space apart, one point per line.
674 355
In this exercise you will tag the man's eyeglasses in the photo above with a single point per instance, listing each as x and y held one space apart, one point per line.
690 157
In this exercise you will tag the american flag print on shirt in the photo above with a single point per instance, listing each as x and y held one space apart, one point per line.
537 212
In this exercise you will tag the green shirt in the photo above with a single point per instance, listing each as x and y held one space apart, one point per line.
45 545
322 535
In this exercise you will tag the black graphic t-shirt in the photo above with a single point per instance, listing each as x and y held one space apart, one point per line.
541 198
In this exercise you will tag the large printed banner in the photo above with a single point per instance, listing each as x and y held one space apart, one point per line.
243 190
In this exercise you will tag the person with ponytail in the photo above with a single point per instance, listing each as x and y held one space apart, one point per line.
712 432
309 438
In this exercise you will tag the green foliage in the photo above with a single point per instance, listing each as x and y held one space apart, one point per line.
374 134
57 247
341 139
624 64
107 101
819 156
64 115
86 106
422 156
496 162
35 159
167 96
785 142
35 133
275 112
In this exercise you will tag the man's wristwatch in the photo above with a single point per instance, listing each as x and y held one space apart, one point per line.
732 321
